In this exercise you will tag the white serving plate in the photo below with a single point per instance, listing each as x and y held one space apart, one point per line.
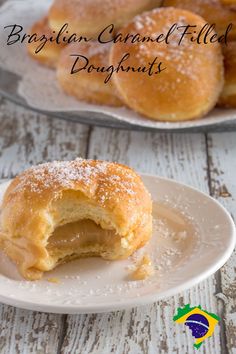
93 285
34 86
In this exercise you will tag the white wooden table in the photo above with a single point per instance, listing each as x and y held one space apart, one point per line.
207 162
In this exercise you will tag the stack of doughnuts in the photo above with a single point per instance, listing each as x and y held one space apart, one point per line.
188 78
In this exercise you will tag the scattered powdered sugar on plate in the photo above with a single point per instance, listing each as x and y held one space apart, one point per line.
187 245
39 87
69 285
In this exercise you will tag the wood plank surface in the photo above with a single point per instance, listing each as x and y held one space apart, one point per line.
207 163
27 138
149 329
222 162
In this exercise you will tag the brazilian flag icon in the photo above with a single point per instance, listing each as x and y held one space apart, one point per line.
201 323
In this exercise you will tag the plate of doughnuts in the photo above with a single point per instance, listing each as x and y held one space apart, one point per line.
89 236
134 66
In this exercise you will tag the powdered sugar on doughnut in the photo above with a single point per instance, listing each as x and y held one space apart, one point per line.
114 179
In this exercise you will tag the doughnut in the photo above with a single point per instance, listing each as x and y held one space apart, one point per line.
231 3
59 211
228 96
89 87
192 79
212 11
50 53
90 17
228 2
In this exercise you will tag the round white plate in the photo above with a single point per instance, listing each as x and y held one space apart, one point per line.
182 259
22 80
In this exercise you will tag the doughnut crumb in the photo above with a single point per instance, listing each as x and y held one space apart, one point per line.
144 269
53 280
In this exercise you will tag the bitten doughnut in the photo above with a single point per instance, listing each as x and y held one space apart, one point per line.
190 85
88 18
49 54
59 211
228 96
212 11
89 87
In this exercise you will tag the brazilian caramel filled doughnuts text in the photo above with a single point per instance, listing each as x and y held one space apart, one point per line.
202 35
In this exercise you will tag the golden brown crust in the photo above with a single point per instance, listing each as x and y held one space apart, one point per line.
50 53
212 11
228 96
230 3
54 194
191 84
89 87
90 17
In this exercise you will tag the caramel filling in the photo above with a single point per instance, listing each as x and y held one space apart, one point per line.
81 234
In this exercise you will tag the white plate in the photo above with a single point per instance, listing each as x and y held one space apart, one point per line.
181 260
33 77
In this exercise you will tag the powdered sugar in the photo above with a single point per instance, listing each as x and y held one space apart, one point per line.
63 173
102 180
181 55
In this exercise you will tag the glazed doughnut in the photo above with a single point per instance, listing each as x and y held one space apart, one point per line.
90 17
50 53
212 11
228 96
190 85
89 87
63 210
